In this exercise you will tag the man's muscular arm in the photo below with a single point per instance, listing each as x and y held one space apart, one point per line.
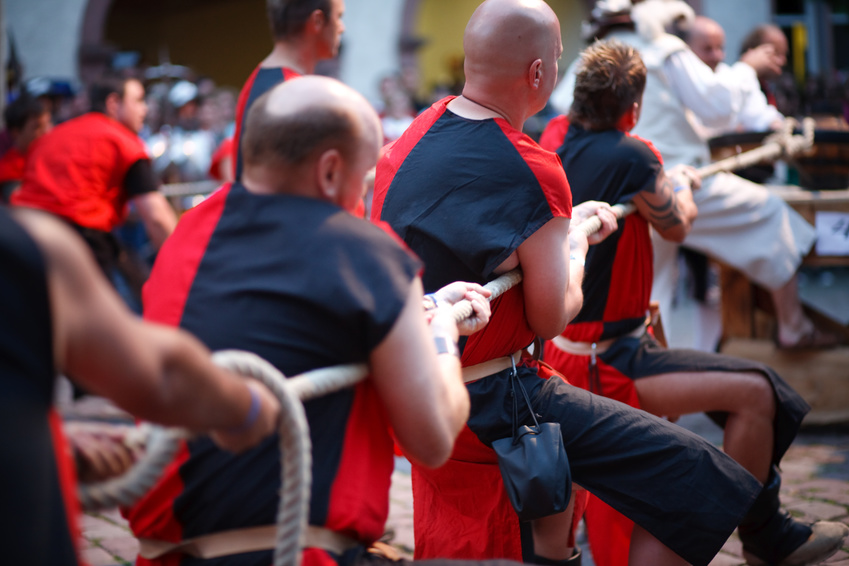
669 206
549 292
157 216
154 209
423 392
157 373
552 262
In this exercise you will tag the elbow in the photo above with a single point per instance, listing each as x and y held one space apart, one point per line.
434 449
434 459
434 454
676 235
554 323
549 331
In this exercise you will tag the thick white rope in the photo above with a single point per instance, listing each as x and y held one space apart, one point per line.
778 145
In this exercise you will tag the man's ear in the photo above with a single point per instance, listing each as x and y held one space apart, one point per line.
329 174
316 21
113 102
629 119
535 73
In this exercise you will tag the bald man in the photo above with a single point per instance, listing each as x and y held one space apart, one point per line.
706 39
491 201
276 265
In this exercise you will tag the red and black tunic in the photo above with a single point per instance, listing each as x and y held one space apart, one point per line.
504 188
614 167
38 509
261 81
305 285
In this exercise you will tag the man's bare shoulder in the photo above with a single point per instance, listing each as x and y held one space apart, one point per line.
56 240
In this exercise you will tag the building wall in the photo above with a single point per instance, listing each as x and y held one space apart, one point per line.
223 39
738 18
441 58
370 43
46 34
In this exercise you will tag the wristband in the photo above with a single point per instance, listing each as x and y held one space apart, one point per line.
252 416
679 188
446 346
580 261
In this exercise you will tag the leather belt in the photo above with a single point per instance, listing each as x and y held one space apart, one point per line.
237 541
481 370
592 348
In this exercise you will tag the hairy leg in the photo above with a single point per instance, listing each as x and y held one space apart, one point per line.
746 397
551 534
648 551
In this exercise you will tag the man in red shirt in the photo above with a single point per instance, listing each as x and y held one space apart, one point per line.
88 169
27 119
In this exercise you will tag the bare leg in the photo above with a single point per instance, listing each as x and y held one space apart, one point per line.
792 322
551 534
746 397
648 551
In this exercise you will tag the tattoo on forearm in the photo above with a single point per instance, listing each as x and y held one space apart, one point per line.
667 214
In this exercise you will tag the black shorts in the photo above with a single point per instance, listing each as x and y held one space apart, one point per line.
677 486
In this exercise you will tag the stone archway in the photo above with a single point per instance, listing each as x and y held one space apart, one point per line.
93 56
222 39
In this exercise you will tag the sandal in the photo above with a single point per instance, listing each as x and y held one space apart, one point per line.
811 340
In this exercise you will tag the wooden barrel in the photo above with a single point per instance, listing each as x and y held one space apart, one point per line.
825 167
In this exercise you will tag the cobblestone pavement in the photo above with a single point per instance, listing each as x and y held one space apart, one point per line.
815 486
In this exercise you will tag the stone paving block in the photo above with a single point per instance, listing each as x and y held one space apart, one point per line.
733 546
114 515
817 510
723 559
97 557
828 489
88 521
125 547
404 538
793 472
102 529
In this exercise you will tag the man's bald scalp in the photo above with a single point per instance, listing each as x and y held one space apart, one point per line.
703 25
301 118
504 37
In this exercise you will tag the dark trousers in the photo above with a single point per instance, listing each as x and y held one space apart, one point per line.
671 482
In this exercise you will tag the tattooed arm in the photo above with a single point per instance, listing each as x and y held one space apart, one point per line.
669 206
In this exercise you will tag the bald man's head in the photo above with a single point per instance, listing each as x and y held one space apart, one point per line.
302 117
504 37
296 125
707 40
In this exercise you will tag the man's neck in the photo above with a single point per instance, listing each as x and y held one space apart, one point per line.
268 180
289 54
465 107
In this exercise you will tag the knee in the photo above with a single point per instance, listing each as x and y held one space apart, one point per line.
755 395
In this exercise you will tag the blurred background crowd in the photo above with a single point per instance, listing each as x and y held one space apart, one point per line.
194 56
